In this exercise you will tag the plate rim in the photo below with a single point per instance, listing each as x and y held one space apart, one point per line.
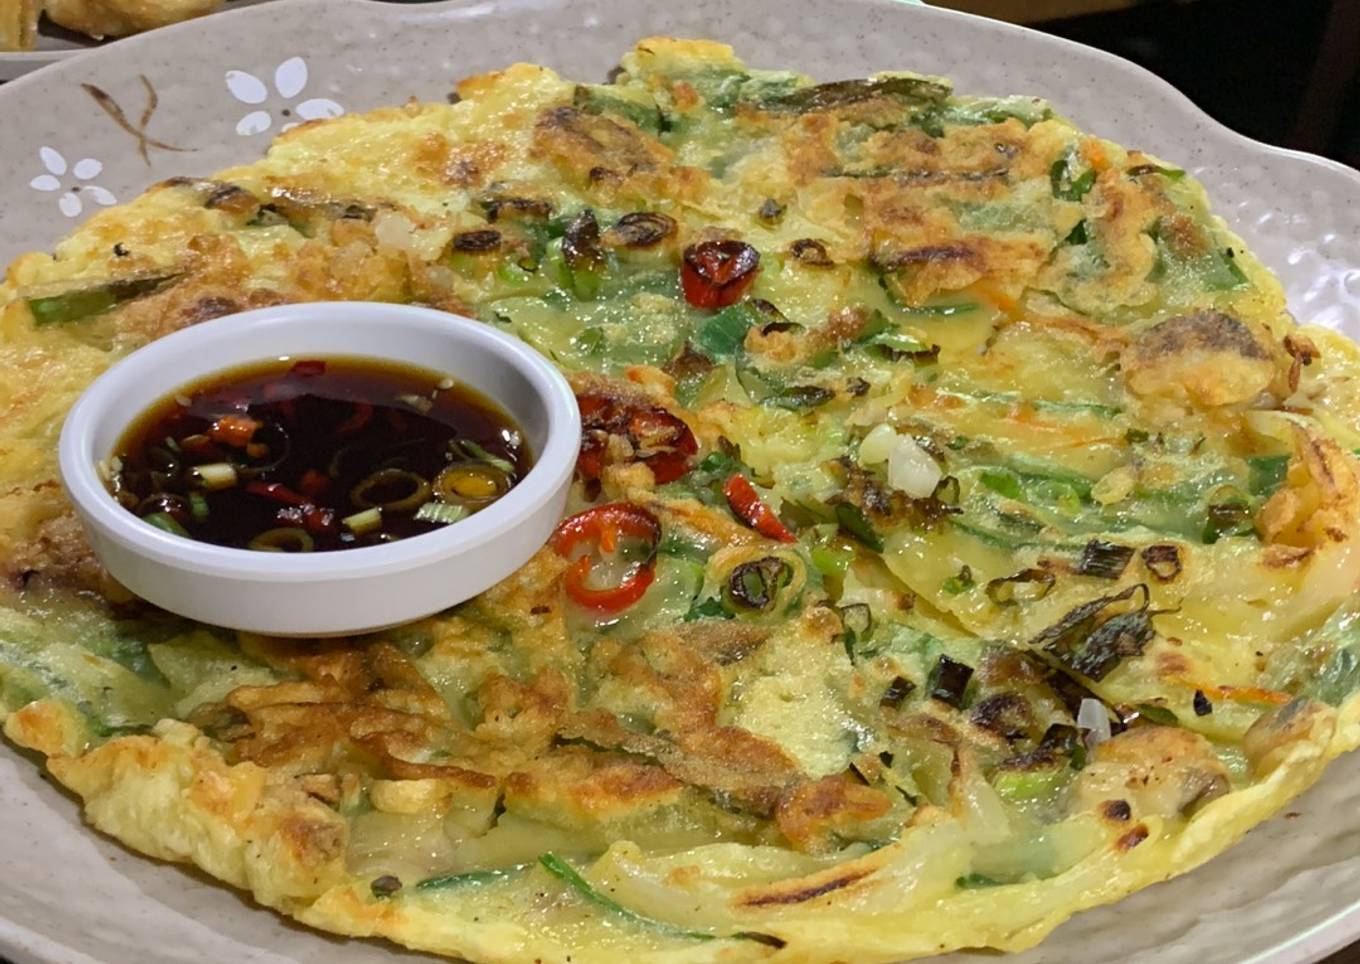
24 945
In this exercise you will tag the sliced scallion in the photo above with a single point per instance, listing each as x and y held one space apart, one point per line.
441 513
283 539
198 506
215 475
418 402
564 872
470 449
166 523
362 523
377 490
474 484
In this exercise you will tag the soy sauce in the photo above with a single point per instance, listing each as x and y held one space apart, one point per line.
317 454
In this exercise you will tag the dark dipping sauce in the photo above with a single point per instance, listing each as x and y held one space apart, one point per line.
316 454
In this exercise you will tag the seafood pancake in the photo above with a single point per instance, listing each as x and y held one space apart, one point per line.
967 533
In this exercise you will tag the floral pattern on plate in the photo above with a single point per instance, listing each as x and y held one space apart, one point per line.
75 178
290 79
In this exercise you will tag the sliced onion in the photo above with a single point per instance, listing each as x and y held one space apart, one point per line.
912 470
396 231
1093 718
877 445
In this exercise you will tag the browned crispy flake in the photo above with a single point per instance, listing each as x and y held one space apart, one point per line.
810 892
811 813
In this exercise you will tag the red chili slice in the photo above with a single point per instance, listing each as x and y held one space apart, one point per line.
360 417
234 430
314 484
320 521
660 440
747 506
715 274
599 529
278 492
309 367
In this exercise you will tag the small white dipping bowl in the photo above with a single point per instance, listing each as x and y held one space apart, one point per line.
341 591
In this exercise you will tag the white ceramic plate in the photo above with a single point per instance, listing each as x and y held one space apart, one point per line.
196 97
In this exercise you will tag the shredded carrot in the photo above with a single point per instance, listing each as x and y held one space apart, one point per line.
990 291
1240 694
234 430
1095 155
609 538
1252 694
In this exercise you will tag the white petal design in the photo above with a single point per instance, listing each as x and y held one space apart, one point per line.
44 182
318 108
69 204
100 195
256 122
247 88
52 160
291 77
87 169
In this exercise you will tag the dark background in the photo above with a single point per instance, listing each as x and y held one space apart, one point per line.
1283 71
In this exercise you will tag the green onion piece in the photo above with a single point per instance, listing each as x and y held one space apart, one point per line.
1157 714
73 306
85 302
676 545
705 609
416 491
362 523
1228 518
167 523
215 475
472 877
941 311
831 561
975 881
564 872
420 403
948 681
1170 173
726 331
198 506
470 449
1221 273
594 100
589 341
960 583
283 539
755 585
1001 481
798 397
900 342
474 484
441 513
513 274
1026 586
855 523
1065 187
1267 473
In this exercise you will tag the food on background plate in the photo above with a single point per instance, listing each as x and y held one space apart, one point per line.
964 533
18 24
315 454
95 18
